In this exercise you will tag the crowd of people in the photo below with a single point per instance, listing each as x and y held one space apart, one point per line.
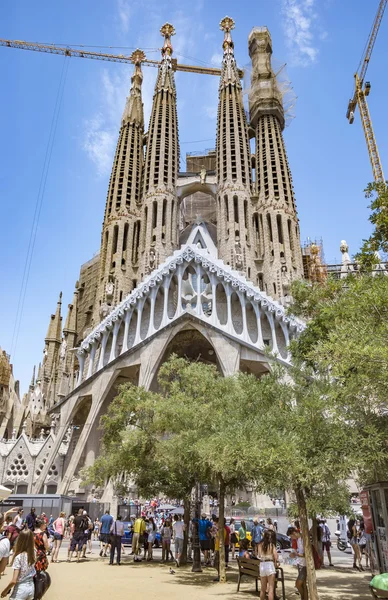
34 539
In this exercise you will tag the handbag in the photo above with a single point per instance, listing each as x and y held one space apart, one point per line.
112 537
233 538
42 582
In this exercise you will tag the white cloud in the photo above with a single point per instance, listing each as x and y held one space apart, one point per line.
216 59
101 130
123 14
299 27
99 144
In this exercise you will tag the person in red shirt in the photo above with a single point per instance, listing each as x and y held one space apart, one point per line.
226 542
294 542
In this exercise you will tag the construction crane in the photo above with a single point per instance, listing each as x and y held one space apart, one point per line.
122 58
362 91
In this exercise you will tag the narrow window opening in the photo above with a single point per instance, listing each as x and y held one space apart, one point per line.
235 208
269 223
125 236
280 228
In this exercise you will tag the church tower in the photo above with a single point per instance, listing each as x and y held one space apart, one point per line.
275 221
119 257
160 233
234 173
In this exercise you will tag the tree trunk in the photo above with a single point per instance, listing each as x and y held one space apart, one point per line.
221 531
186 519
304 524
314 532
196 547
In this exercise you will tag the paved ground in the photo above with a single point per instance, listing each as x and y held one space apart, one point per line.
94 578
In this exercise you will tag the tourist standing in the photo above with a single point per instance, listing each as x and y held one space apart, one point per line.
30 519
326 542
166 533
96 528
78 538
270 525
5 549
23 563
268 558
59 531
116 532
226 543
41 545
301 580
18 521
151 529
105 525
353 541
242 532
233 537
204 532
257 536
179 529
139 528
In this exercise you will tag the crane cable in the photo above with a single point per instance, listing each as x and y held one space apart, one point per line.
38 207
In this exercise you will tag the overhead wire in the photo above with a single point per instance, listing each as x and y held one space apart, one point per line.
38 207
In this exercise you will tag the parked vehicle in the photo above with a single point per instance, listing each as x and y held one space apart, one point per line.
283 542
126 540
341 544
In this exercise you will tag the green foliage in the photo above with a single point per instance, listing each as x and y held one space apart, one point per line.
347 337
378 241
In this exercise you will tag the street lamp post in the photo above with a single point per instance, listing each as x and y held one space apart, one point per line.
196 546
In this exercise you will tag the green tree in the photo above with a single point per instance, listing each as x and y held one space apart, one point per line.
347 337
378 240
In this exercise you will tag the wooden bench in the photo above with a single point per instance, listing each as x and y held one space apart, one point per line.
251 568
378 593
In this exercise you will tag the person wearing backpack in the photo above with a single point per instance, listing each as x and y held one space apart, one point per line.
77 541
326 542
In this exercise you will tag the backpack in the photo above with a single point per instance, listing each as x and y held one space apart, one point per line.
349 534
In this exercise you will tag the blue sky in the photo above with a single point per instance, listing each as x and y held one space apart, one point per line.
320 40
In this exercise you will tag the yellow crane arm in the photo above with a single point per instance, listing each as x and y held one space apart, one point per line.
360 94
80 53
372 39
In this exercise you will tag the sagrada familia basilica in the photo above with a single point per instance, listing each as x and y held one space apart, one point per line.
199 263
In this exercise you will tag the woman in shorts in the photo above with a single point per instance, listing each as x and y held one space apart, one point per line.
268 558
59 526
166 533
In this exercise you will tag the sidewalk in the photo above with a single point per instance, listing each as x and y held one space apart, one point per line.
95 579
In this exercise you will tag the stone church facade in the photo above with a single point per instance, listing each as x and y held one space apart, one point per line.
199 263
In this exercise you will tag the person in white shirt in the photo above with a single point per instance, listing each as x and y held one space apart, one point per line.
301 580
178 529
116 532
326 542
18 520
5 549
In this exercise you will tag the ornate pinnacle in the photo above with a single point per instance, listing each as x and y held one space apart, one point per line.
167 31
137 57
226 25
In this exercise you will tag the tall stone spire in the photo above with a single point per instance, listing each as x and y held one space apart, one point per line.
160 234
121 228
52 345
233 164
275 221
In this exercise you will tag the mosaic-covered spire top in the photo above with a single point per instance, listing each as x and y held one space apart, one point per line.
229 73
165 80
